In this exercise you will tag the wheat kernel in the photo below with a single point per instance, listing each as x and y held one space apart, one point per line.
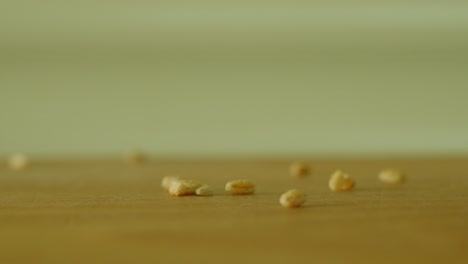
168 181
183 187
292 198
204 190
340 181
179 189
18 162
240 187
191 184
391 176
299 170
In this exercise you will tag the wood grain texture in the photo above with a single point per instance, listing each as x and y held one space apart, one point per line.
111 212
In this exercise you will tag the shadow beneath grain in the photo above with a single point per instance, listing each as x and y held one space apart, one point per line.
262 194
323 205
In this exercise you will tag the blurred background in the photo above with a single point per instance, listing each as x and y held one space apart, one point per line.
234 78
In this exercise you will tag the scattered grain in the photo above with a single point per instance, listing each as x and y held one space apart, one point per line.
240 187
168 181
18 162
183 187
340 181
299 170
204 190
292 198
392 176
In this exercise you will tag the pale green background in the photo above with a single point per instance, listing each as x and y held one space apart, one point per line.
234 77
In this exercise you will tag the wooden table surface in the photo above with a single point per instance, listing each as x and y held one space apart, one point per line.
109 211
